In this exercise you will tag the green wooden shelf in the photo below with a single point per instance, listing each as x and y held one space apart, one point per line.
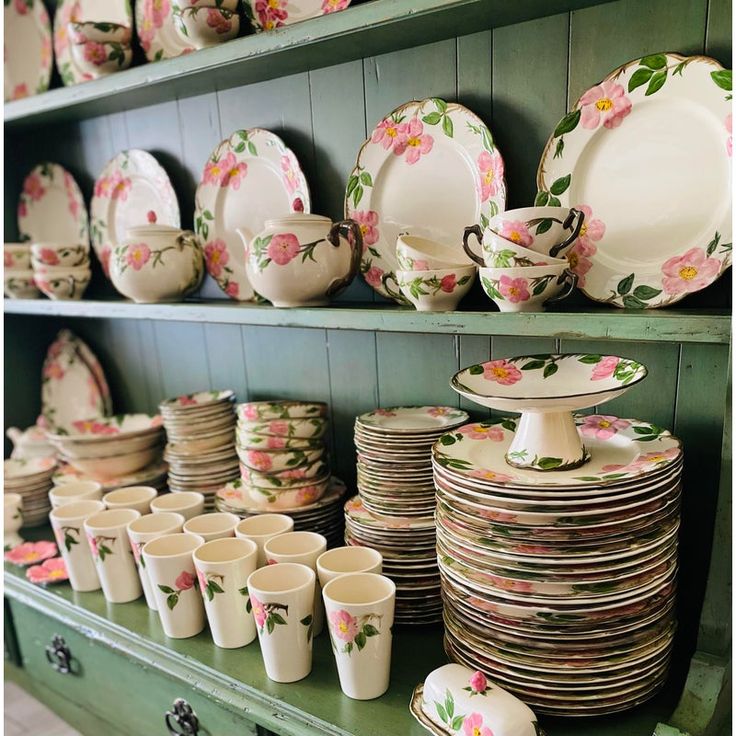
368 29
673 325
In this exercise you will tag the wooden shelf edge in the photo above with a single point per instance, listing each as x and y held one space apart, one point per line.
369 29
687 326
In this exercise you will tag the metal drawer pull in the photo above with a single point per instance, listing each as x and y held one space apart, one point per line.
59 656
184 718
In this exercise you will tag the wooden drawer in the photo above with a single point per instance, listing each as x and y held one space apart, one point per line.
133 697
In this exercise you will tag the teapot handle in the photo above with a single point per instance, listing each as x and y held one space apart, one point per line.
575 231
572 281
473 230
345 228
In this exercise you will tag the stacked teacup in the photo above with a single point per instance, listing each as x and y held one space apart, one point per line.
203 23
99 48
61 270
433 277
523 263
18 280
283 458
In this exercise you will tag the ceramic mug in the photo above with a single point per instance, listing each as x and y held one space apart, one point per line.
223 568
187 503
144 529
303 548
263 527
67 521
13 519
282 600
107 536
212 526
360 616
82 490
343 560
170 566
131 497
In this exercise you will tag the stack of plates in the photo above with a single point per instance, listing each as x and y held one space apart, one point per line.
324 516
284 463
154 475
31 479
560 585
201 442
395 509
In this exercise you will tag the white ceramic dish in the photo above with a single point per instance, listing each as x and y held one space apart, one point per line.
27 39
435 290
154 22
205 26
527 289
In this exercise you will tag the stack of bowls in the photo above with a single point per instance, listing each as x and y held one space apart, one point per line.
432 276
61 270
201 442
521 270
100 47
31 480
204 23
18 280
284 463
106 448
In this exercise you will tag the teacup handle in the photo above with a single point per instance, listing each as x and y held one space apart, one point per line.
473 230
572 281
575 231
395 295
345 228
186 237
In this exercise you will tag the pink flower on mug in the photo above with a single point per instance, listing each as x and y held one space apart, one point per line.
473 726
419 265
19 91
514 290
259 611
482 432
279 428
49 257
344 626
605 103
138 255
490 170
501 371
332 6
136 549
386 133
448 283
232 289
517 232
602 427
692 271
478 683
50 571
33 187
185 581
92 540
289 172
202 581
95 53
367 221
234 171
374 276
119 186
216 257
413 141
283 248
605 368
217 20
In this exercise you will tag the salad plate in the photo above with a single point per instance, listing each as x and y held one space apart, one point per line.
658 116
154 22
415 420
251 177
51 207
133 189
431 169
27 39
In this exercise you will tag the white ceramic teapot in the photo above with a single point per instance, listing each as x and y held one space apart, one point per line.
302 260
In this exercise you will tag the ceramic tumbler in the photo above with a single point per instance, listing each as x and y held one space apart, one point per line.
131 497
343 560
223 567
13 519
170 567
145 529
83 490
303 548
107 535
360 614
282 600
263 527
212 526
187 503
67 521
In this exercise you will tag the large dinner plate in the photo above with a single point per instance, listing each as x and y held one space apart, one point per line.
27 40
646 155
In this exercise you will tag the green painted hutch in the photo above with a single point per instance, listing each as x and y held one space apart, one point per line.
321 86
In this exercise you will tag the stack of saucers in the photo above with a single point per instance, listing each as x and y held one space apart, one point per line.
154 476
395 509
324 516
31 479
560 585
201 442
284 463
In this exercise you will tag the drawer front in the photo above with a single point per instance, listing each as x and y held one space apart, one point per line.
129 695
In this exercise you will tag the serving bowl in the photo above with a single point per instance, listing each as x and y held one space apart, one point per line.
17 256
20 284
436 290
527 289
206 25
112 466
61 283
422 254
101 58
108 446
55 255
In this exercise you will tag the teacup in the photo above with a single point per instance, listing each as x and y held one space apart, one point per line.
187 503
436 290
62 283
67 255
17 256
99 31
157 263
131 497
422 254
206 25
527 289
20 284
99 58
501 253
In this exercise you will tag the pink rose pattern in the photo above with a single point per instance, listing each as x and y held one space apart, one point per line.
517 232
234 171
137 256
606 104
216 257
501 371
602 426
692 271
155 13
343 625
413 141
29 553
473 726
332 6
271 13
386 133
490 170
585 246
94 52
477 684
374 276
605 368
482 432
283 248
514 289
289 169
218 21
185 580
49 571
368 222
448 283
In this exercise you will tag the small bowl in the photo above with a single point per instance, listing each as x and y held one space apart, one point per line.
436 290
20 284
308 429
59 255
63 284
275 461
284 499
421 254
527 289
17 256
251 441
81 32
205 25
113 466
99 59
